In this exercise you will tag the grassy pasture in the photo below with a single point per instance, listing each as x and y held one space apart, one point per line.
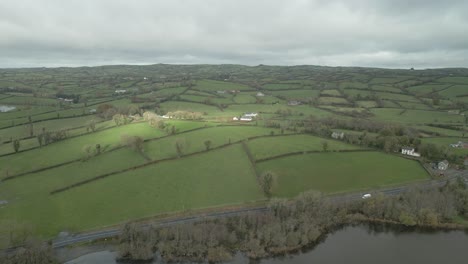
330 93
415 116
351 85
441 131
355 92
397 97
171 106
211 85
297 94
281 86
166 187
195 141
426 89
340 172
50 125
169 91
454 91
244 99
455 80
411 105
272 146
71 149
28 100
366 104
332 100
395 79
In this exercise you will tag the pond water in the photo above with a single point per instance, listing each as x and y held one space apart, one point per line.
360 245
6 108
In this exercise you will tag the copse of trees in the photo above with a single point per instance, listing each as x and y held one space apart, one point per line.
33 252
135 143
290 225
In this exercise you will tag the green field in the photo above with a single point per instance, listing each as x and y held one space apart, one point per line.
211 85
71 149
157 178
340 172
415 116
272 146
167 187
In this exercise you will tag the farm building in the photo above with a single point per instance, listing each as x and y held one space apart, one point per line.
260 94
250 115
337 135
120 91
294 102
410 152
235 118
246 118
459 144
443 165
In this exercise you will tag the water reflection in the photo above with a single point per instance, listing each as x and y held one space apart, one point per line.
384 244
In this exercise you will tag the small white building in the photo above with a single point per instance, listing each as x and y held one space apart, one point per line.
294 102
120 91
250 115
443 165
260 94
410 152
337 135
246 118
235 118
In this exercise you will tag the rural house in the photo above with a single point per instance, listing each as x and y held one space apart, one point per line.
443 165
250 115
120 91
294 102
246 118
260 94
410 152
459 144
337 135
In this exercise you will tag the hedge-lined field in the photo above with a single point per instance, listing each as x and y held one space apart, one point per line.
340 172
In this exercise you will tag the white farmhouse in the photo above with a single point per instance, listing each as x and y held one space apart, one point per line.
250 115
120 91
246 118
443 165
410 152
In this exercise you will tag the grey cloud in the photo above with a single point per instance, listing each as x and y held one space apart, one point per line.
334 32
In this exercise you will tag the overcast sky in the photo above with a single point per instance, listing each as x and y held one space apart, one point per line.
386 33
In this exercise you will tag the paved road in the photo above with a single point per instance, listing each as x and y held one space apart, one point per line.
109 233
92 236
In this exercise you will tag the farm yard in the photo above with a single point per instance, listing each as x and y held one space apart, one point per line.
85 149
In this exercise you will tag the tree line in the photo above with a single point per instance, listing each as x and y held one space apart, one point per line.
290 225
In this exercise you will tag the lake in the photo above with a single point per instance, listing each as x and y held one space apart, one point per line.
360 245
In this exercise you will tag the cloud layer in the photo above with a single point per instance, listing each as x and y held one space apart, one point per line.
396 34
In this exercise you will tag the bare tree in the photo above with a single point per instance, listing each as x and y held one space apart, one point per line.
16 145
134 142
180 145
324 145
266 181
207 144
